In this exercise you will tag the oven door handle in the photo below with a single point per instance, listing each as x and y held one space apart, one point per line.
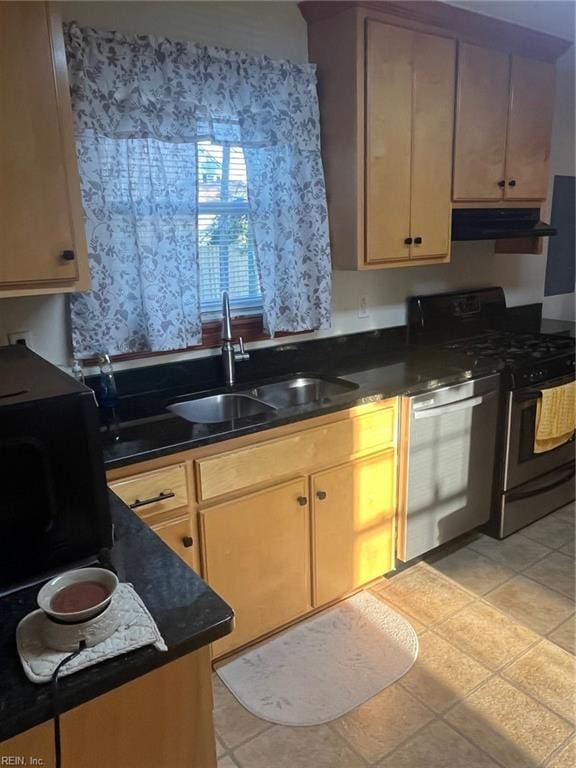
531 395
518 495
459 405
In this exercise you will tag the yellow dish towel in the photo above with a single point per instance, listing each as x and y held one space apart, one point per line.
555 417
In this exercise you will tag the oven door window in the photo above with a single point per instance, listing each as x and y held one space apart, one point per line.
527 432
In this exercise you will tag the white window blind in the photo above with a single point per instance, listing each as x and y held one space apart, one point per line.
225 241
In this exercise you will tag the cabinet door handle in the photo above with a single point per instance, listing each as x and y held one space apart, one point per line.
408 241
187 541
68 255
512 183
161 496
502 183
418 241
321 495
302 500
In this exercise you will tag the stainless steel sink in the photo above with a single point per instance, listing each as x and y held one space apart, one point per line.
215 409
301 390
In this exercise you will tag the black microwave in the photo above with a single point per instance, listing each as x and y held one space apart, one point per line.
54 510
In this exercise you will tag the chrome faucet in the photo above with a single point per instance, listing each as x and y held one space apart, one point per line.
230 355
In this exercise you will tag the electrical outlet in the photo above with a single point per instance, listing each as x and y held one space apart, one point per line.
363 309
24 338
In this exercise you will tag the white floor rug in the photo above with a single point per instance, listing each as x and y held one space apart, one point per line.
326 666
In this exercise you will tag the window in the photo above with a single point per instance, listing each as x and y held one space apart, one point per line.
149 174
226 251
168 219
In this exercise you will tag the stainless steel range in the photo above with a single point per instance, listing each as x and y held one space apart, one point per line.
527 485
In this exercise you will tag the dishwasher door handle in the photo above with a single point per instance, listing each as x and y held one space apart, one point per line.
459 405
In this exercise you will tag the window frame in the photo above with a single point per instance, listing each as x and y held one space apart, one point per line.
250 327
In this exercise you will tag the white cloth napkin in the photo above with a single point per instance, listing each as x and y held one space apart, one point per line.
137 629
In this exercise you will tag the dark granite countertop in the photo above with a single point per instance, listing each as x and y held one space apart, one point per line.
380 364
188 613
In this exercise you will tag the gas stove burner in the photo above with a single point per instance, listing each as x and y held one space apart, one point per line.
477 340
513 348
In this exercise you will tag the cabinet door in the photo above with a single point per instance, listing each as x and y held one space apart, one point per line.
388 141
481 119
256 554
529 129
178 535
353 523
434 62
39 190
162 719
36 744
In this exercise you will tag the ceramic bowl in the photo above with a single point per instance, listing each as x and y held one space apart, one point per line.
66 637
104 577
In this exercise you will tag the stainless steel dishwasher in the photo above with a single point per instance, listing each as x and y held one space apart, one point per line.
450 463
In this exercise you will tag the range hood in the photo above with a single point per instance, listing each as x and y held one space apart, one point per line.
498 224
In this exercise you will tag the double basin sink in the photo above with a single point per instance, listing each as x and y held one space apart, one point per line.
261 400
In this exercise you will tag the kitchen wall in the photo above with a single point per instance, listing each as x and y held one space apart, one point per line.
563 163
277 29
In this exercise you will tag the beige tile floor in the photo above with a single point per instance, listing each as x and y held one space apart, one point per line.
495 681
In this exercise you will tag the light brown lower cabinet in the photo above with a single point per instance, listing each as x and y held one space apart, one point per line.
288 520
160 720
177 534
161 498
273 563
353 524
256 556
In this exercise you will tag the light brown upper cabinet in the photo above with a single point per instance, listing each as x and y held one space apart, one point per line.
42 239
409 146
503 126
529 129
387 114
388 94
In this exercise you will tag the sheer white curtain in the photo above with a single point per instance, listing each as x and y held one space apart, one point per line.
141 104
139 199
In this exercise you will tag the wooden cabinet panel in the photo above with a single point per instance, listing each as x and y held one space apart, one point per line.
35 745
297 454
399 140
481 118
256 554
409 131
160 720
150 493
434 61
179 535
39 189
388 141
529 129
353 518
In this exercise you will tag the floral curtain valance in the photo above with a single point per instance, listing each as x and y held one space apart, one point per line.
141 104
146 87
